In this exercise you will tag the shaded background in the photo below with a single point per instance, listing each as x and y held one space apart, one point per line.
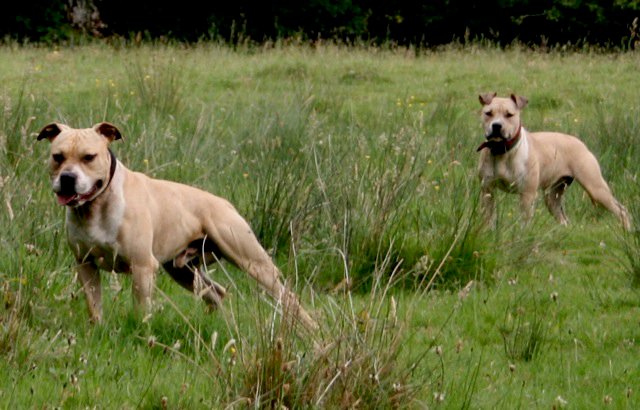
428 23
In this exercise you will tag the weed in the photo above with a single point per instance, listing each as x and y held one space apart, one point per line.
354 359
10 319
631 239
158 87
523 332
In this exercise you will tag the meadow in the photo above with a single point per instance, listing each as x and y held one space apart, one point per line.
356 168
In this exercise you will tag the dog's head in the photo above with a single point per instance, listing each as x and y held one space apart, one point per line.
501 116
80 161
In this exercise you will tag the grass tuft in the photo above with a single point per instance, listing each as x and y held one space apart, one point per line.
158 87
357 359
524 332
631 239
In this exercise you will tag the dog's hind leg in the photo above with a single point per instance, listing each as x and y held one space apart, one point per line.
237 242
601 195
553 199
185 270
590 177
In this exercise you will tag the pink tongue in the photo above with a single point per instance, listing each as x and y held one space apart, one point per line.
65 199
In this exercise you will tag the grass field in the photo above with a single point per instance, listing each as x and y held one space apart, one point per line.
356 167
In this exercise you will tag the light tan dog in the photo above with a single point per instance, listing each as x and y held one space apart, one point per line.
517 161
127 222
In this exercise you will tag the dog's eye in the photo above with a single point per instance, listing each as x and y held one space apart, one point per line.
488 113
509 115
58 158
89 157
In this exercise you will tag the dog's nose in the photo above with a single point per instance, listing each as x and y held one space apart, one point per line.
496 127
68 183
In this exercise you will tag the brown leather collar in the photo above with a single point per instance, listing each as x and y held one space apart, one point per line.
501 147
112 169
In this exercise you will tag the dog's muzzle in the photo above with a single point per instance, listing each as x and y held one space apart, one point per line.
67 194
496 133
498 143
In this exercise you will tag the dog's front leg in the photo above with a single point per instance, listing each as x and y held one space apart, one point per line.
143 278
89 276
488 204
527 202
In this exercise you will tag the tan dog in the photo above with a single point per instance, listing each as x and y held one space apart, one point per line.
521 162
127 222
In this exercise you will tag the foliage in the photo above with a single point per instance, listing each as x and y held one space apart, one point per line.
543 23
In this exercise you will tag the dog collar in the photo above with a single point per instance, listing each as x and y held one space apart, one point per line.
112 168
501 147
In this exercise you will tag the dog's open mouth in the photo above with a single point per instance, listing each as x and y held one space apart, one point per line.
75 198
496 137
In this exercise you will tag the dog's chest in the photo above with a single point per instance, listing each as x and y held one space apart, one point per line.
506 172
95 234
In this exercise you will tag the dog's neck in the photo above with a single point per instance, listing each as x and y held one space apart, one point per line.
504 146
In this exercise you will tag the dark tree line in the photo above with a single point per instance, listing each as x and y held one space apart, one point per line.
611 23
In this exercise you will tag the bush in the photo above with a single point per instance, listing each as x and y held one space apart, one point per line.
549 22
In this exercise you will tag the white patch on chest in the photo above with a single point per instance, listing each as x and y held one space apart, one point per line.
97 231
509 172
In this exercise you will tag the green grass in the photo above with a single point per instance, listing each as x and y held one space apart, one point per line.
356 167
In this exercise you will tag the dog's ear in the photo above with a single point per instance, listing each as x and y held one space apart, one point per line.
521 102
108 130
51 131
486 98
